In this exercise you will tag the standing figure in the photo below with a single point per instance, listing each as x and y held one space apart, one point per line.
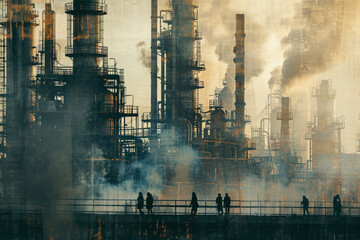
194 204
140 203
149 203
227 202
219 205
305 205
339 206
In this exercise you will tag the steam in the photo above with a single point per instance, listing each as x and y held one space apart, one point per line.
313 44
173 162
144 54
275 80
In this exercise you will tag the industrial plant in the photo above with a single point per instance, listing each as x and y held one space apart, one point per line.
75 150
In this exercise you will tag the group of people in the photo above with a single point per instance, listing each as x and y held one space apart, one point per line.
219 204
194 204
149 203
336 205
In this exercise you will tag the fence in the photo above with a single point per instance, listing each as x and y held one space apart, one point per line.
175 207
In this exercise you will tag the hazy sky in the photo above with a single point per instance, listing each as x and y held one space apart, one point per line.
268 22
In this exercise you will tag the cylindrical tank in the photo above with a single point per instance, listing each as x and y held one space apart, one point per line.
218 124
87 39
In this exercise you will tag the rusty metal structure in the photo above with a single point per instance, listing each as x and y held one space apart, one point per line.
179 47
19 18
239 61
218 137
84 105
325 142
285 116
98 140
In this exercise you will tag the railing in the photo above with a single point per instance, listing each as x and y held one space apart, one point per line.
177 207
99 7
197 65
97 50
195 83
68 71
130 110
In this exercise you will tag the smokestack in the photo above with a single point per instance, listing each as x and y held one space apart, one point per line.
49 37
154 67
239 61
285 116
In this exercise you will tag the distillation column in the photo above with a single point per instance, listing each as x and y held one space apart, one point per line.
183 63
19 68
86 93
325 146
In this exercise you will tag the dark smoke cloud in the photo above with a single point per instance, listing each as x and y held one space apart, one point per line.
313 45
275 79
218 26
144 54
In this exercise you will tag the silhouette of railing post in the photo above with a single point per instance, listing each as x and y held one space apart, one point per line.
205 207
260 207
279 208
175 207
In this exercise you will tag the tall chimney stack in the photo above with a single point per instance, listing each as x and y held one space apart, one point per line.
154 67
285 155
49 37
239 61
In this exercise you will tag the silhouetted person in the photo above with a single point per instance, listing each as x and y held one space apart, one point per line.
305 205
140 203
149 203
337 205
219 205
227 202
194 204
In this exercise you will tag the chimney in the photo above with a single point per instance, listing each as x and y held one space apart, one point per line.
239 61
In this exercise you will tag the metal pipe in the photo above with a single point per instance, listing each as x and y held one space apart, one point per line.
154 66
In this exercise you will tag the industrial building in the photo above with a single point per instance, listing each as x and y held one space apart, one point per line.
76 120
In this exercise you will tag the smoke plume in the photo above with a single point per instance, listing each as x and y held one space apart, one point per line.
174 162
144 54
313 44
275 79
220 35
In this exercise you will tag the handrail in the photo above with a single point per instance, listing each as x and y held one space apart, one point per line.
100 7
177 207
